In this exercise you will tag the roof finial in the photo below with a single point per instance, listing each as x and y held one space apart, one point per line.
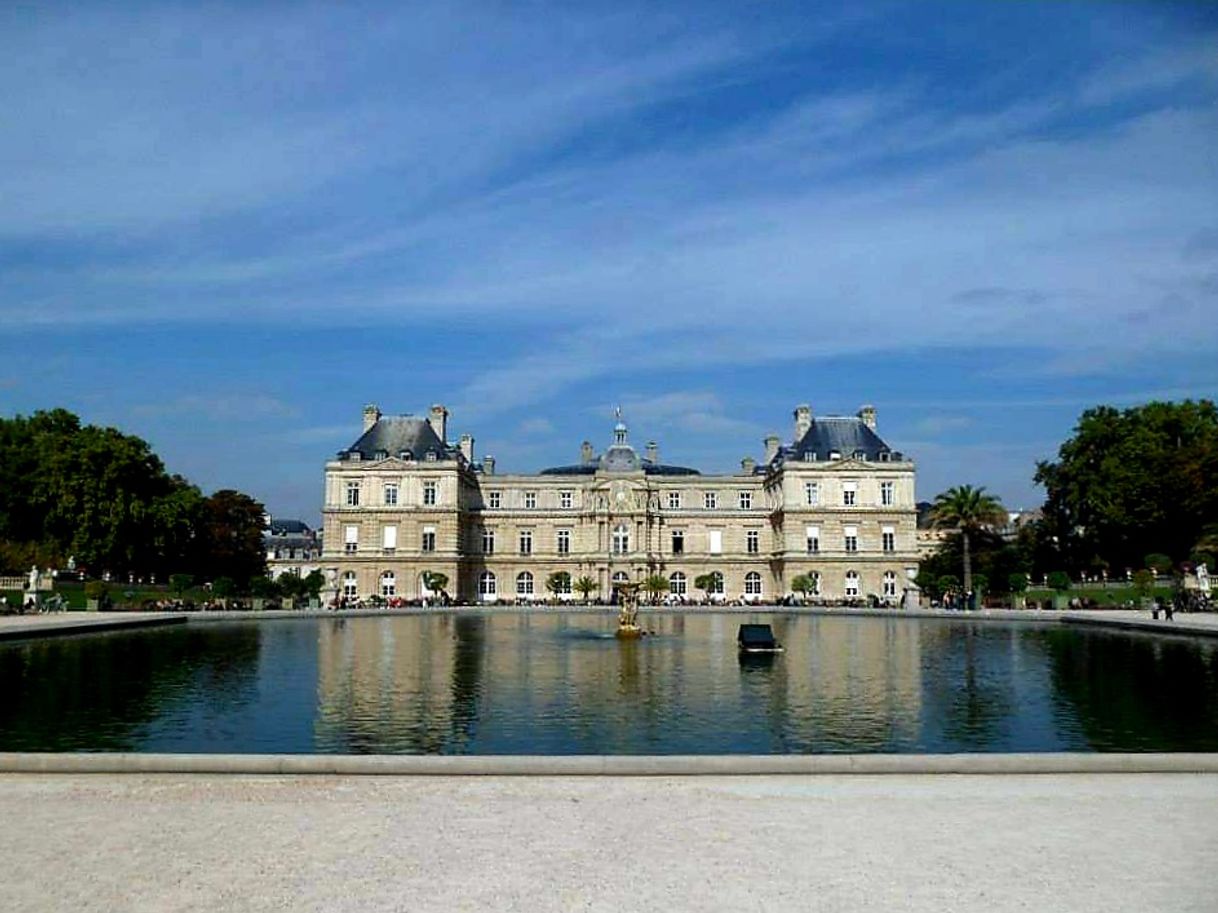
617 413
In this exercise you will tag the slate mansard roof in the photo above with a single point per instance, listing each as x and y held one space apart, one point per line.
399 435
845 436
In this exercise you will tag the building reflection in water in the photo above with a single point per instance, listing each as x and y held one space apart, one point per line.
540 683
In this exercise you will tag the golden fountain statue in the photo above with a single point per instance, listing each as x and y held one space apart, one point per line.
628 617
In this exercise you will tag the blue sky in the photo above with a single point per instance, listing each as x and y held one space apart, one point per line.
226 228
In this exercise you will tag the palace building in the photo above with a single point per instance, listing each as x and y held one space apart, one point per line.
834 504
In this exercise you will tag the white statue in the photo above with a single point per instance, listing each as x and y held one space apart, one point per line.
34 579
1203 579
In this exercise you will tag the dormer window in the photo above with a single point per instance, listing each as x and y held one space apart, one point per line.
884 456
809 456
860 455
406 455
834 455
354 456
431 456
382 454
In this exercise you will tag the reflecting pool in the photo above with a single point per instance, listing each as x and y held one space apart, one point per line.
512 683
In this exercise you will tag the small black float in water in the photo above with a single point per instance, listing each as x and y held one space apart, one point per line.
757 639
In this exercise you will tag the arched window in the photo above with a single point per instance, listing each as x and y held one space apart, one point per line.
716 588
621 539
621 577
486 584
752 584
676 584
350 587
389 584
852 583
890 583
524 584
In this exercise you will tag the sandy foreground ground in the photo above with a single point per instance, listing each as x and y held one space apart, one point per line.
1110 842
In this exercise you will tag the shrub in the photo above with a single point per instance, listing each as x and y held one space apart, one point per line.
1059 581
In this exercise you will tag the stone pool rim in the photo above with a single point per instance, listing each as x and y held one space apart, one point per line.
1004 764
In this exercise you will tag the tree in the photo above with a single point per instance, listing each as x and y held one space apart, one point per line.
709 583
803 584
180 583
231 537
656 585
265 588
311 584
1159 563
585 586
559 583
1017 585
1133 481
1143 586
224 587
967 510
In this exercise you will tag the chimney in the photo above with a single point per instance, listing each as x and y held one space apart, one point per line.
488 465
372 415
438 419
803 421
653 452
867 414
586 454
467 447
747 465
772 443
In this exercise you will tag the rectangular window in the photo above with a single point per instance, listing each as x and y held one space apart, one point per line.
888 538
678 542
746 500
350 539
850 492
710 500
492 500
886 494
530 499
752 540
353 494
389 538
429 494
429 538
564 542
566 499
812 534
526 542
488 542
391 494
674 500
812 494
714 539
852 538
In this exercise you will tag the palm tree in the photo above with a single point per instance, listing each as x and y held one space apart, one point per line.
967 509
585 586
559 583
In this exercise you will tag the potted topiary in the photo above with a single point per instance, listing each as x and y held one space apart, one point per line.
1017 583
1059 582
263 590
97 596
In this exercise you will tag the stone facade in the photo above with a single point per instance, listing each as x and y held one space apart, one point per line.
403 502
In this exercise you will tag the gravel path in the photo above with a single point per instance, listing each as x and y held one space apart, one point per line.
174 843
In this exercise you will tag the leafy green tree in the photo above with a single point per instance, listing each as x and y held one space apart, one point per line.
558 583
311 584
180 583
1059 581
1143 586
710 583
947 583
1159 563
291 588
1017 585
968 510
1133 481
655 586
585 586
265 588
224 587
231 536
803 584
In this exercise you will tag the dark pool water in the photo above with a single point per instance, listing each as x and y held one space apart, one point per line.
562 684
